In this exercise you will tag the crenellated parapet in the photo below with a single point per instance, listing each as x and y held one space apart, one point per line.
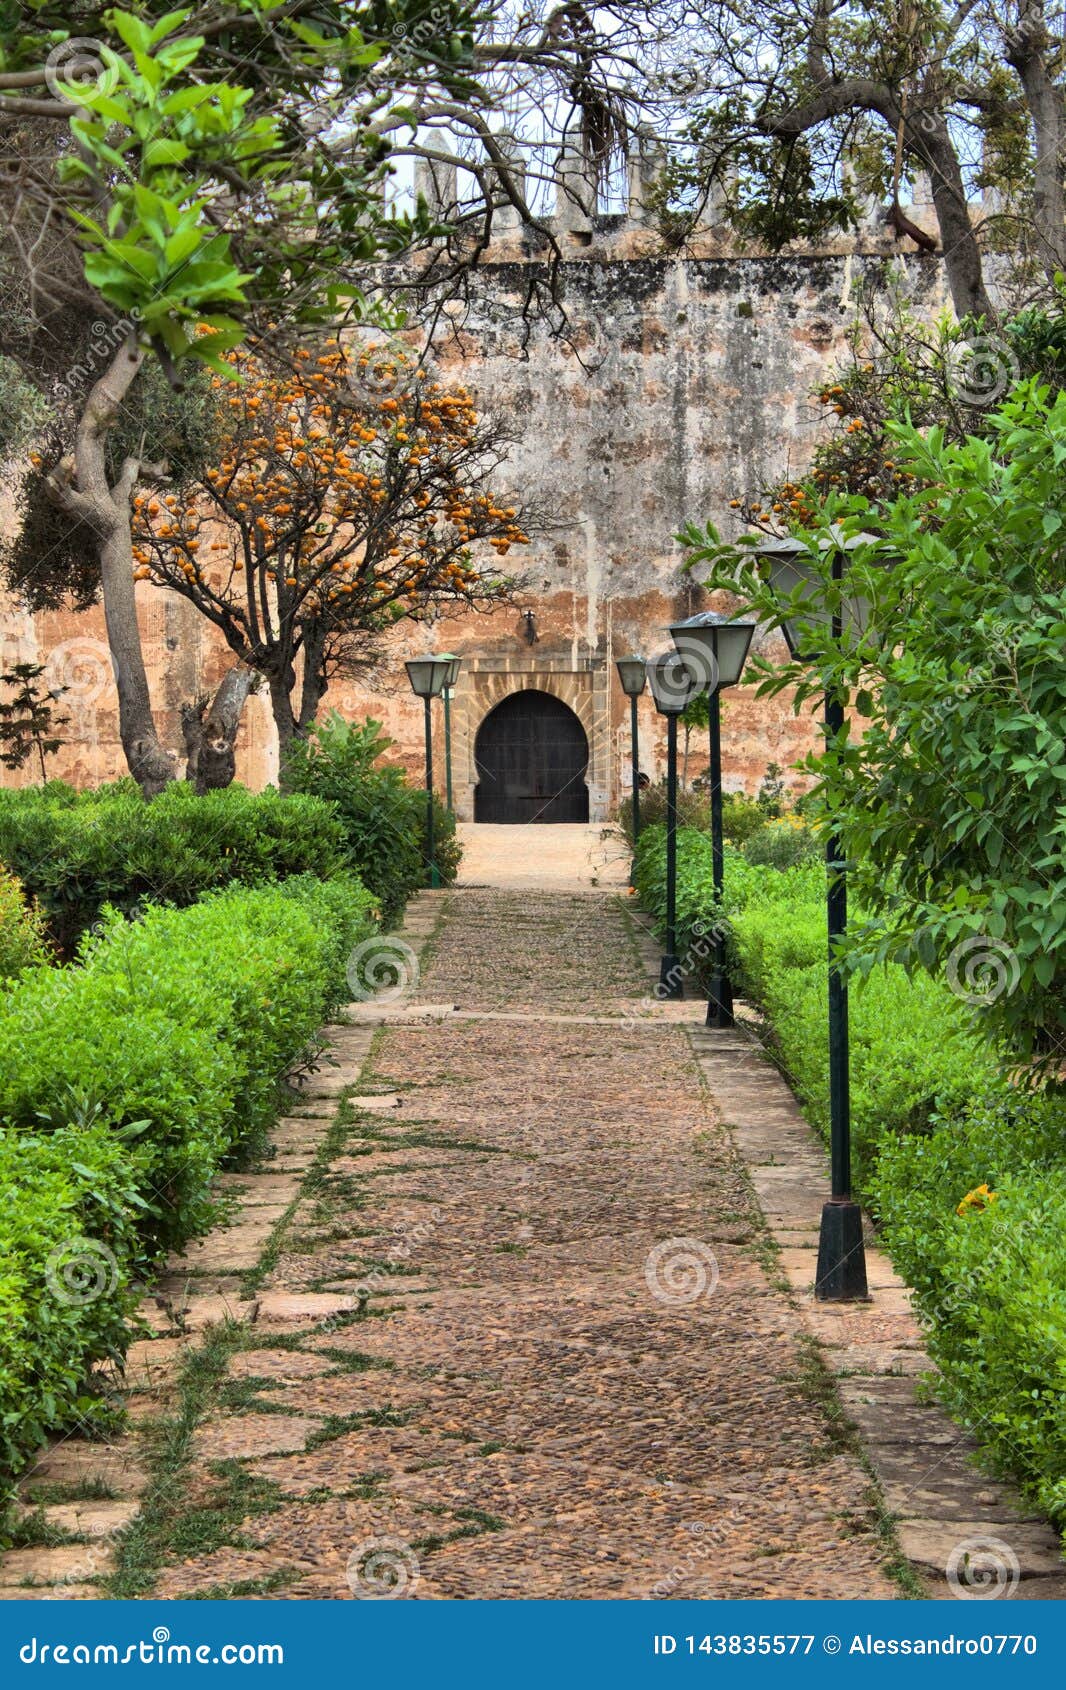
572 202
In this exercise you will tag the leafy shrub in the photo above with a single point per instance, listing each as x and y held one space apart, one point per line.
741 817
950 804
62 1190
915 1049
692 809
125 1080
77 851
382 815
782 844
22 940
990 1283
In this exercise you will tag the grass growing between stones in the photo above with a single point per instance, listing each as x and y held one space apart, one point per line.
45 1494
149 1543
36 1531
268 1585
820 1388
313 1185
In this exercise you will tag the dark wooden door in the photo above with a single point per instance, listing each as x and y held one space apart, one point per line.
532 757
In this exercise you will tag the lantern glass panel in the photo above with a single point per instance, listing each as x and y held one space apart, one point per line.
427 675
632 672
673 683
715 647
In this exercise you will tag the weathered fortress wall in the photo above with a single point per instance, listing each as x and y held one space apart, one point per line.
692 388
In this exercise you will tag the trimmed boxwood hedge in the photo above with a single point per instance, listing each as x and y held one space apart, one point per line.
74 852
126 1079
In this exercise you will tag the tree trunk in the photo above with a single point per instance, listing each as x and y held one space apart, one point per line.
285 722
211 733
80 486
315 685
1028 46
931 139
151 766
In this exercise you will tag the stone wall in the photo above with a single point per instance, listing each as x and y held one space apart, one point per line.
683 383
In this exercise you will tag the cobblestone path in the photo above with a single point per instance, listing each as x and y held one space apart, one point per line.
519 1338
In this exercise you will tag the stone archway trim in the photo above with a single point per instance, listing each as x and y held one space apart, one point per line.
485 682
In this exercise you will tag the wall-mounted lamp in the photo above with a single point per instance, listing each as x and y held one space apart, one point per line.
530 628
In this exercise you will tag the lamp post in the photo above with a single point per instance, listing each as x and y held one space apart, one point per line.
632 672
454 664
716 649
673 686
799 590
428 676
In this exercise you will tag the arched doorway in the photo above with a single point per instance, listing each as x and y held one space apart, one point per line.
531 757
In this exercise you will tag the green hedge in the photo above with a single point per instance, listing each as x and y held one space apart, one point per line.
934 1118
990 1283
77 851
915 1051
125 1080
71 1250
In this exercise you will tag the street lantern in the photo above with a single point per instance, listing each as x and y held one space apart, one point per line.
800 590
801 597
716 648
633 673
428 677
673 684
454 665
673 687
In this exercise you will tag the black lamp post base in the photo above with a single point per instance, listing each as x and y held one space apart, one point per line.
720 1002
671 984
841 1276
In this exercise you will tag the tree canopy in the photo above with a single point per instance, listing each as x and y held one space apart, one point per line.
804 111
343 497
951 803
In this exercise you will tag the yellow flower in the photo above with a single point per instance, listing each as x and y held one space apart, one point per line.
979 1198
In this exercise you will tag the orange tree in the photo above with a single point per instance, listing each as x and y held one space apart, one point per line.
349 491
